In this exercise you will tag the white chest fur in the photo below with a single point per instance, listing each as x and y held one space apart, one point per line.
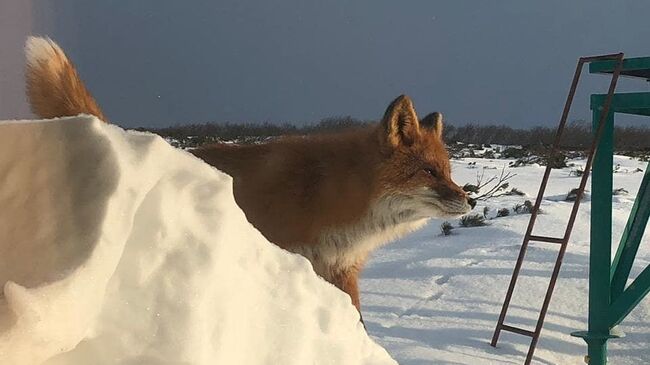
342 247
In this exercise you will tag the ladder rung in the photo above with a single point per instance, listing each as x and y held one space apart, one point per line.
517 330
546 239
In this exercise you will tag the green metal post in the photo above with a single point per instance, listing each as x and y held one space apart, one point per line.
601 241
624 304
609 300
631 239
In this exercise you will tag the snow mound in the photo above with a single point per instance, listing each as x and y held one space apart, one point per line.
118 249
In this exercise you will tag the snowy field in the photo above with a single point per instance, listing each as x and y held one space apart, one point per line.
434 299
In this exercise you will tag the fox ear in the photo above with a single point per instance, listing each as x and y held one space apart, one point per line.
400 123
433 122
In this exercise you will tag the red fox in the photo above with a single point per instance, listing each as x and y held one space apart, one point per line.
331 198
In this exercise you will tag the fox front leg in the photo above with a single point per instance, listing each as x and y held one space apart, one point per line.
348 281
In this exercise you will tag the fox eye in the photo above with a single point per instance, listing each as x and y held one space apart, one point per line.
430 171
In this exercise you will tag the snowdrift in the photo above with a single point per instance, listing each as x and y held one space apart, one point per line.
116 248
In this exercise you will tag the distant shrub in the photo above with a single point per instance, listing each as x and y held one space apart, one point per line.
471 188
473 220
515 191
572 195
578 172
494 186
527 160
503 212
512 152
620 191
557 161
486 210
446 228
524 208
489 155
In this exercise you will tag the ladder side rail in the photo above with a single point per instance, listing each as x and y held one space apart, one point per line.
538 201
564 241
576 205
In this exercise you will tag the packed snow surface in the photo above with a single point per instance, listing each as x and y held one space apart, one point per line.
434 299
116 248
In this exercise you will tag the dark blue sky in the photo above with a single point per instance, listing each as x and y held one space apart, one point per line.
155 62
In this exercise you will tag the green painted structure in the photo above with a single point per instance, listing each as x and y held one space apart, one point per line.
610 301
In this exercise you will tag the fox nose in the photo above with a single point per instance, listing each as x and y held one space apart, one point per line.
471 202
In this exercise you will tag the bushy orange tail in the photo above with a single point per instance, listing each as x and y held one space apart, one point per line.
54 88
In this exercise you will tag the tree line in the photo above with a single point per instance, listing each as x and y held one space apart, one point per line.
577 135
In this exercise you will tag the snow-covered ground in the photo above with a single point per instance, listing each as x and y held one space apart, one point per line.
118 249
433 299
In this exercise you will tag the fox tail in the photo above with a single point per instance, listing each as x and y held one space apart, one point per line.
54 88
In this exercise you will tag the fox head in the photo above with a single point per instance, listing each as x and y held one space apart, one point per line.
415 171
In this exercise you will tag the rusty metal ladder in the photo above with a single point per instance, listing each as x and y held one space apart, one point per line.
562 241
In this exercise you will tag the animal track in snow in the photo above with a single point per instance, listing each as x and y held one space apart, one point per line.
415 307
443 279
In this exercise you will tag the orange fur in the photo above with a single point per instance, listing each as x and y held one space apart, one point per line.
53 87
332 198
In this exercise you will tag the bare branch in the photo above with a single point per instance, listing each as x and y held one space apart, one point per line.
499 187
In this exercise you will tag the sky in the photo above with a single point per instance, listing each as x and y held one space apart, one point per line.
164 62
15 24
